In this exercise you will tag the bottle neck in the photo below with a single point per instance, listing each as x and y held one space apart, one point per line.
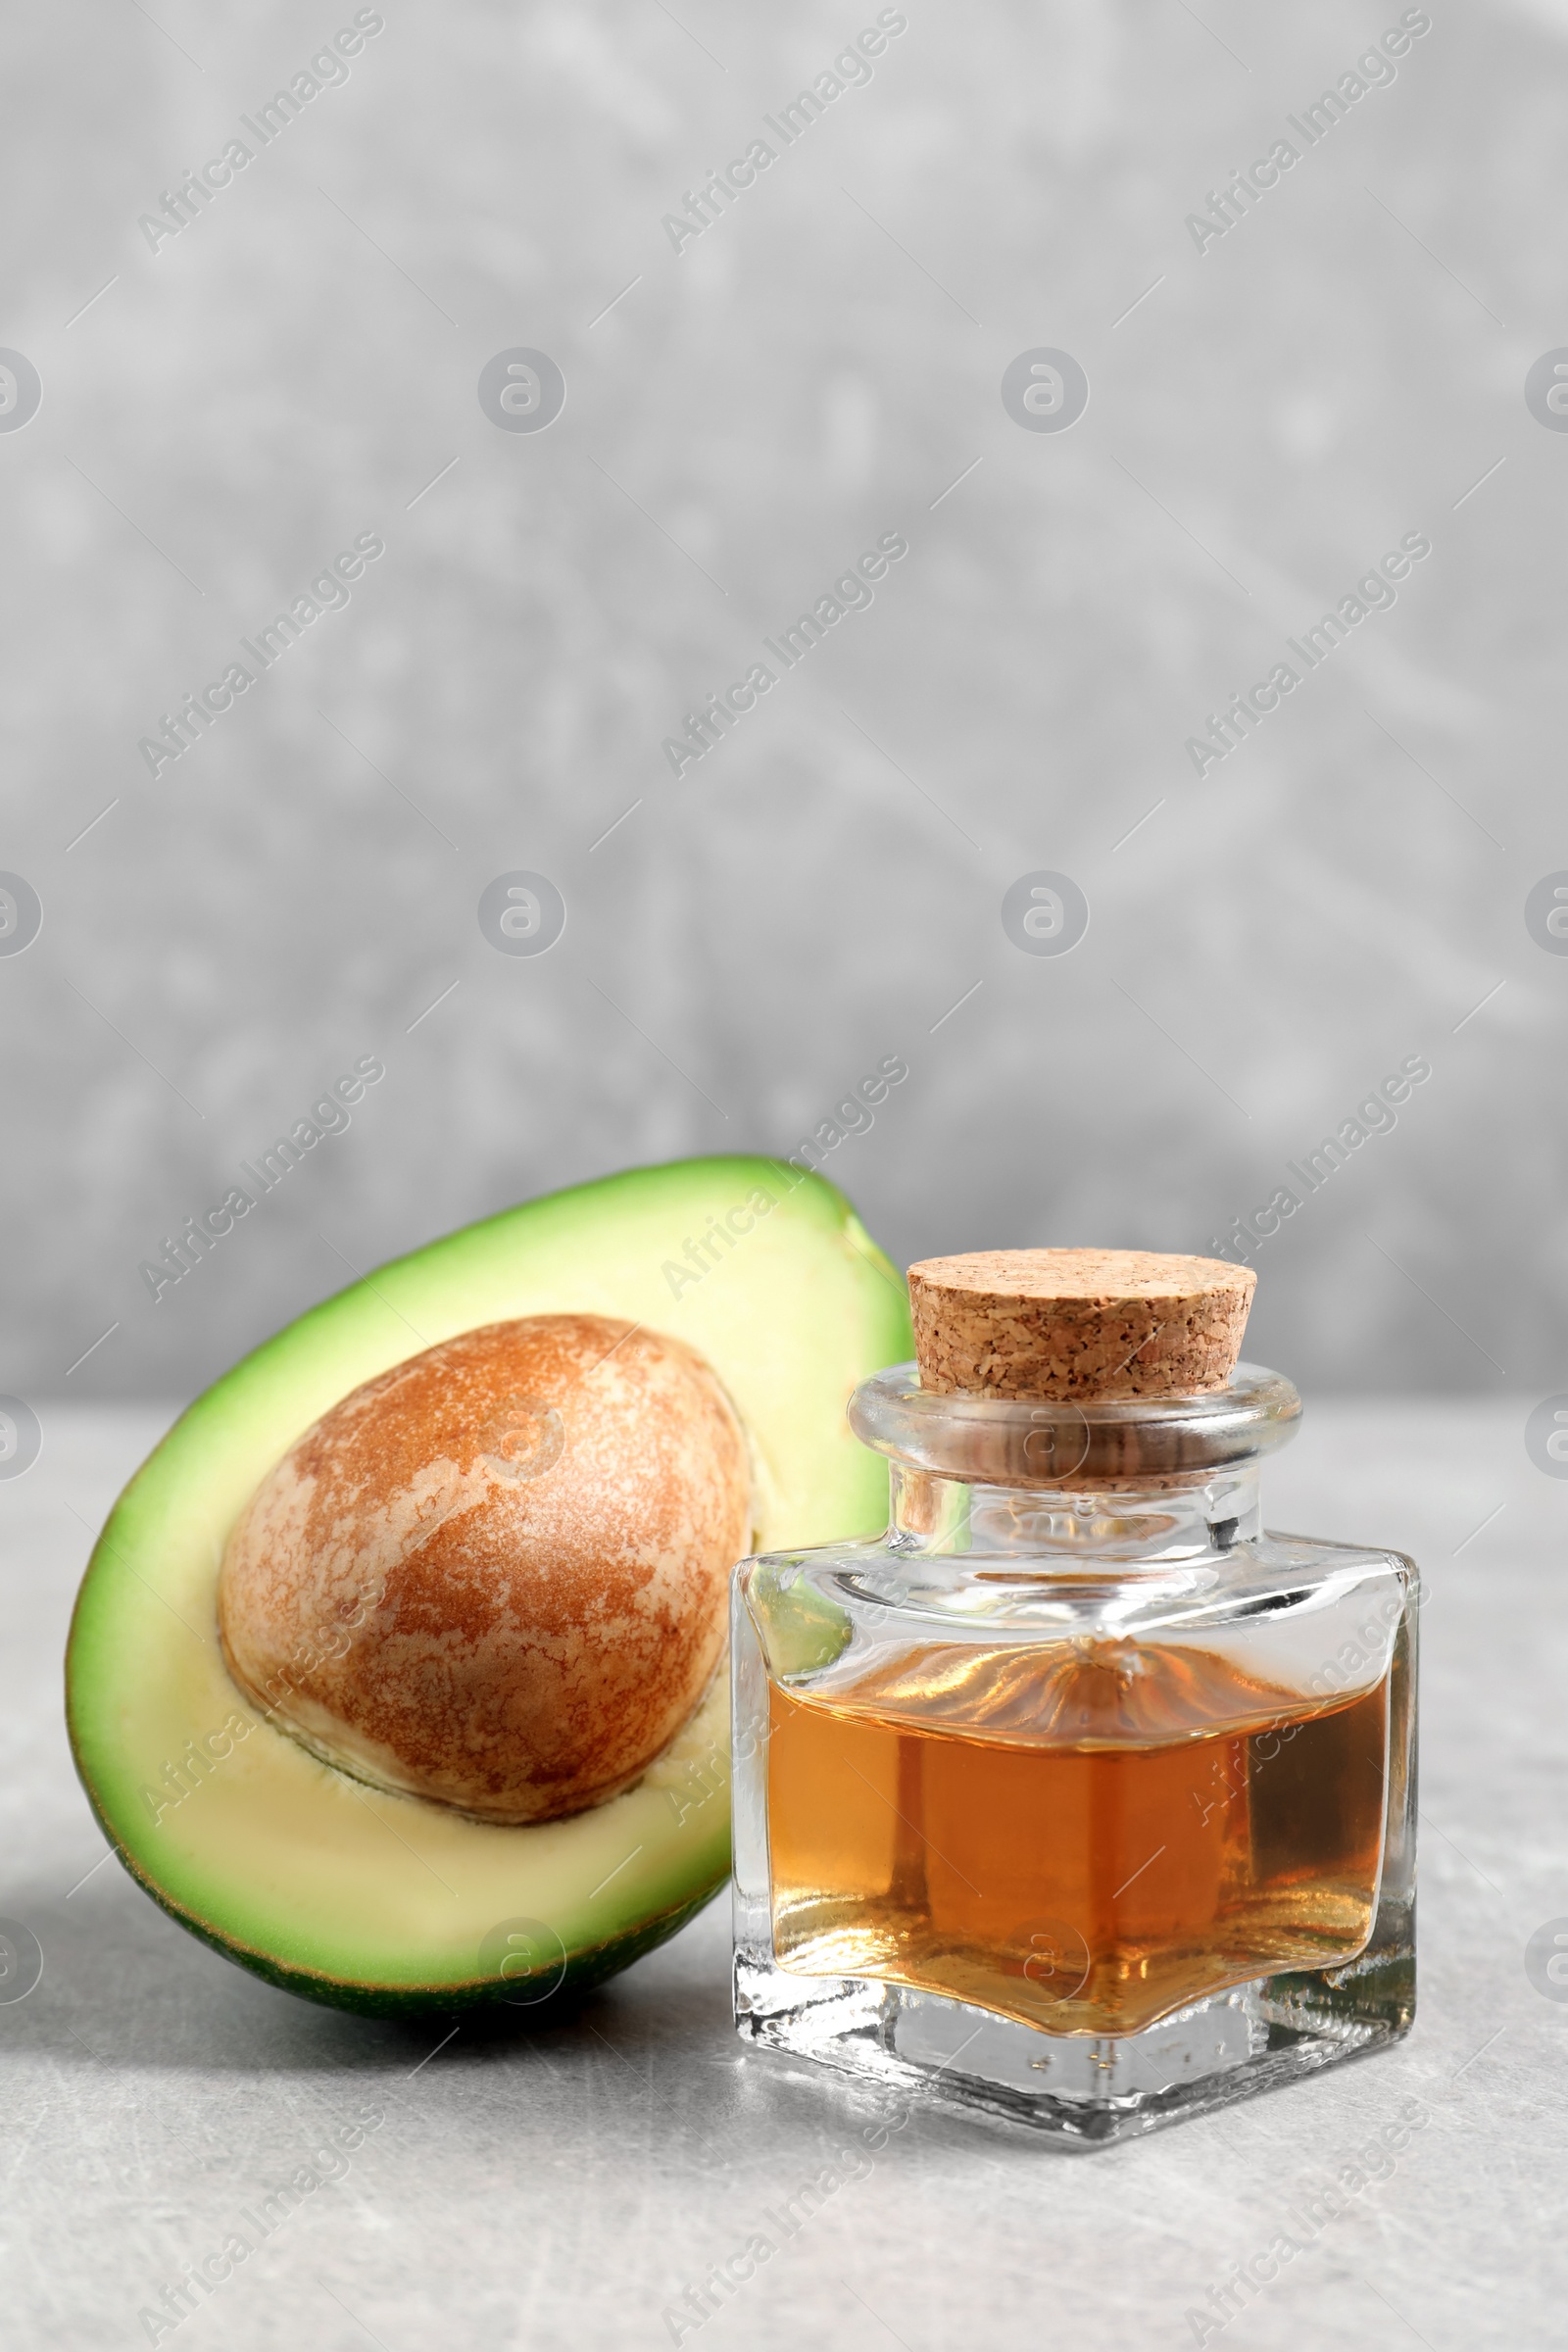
1052 1528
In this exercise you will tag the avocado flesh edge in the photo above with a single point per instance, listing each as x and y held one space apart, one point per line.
557 1987
370 1900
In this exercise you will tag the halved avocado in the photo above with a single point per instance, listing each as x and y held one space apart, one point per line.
392 1905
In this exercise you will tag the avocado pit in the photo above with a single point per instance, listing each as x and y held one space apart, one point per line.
496 1576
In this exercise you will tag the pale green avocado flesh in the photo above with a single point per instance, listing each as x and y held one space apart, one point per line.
393 1904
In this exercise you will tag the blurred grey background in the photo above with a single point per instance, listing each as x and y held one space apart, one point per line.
226 408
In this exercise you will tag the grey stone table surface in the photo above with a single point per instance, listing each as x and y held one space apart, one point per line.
566 2187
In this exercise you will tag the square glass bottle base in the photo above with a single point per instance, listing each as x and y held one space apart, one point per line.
1083 2090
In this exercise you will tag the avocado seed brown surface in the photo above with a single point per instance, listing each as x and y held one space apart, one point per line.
496 1576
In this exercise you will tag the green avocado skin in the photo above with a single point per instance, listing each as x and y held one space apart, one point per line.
687 1188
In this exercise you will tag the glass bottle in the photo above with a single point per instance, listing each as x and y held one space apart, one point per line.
1075 1797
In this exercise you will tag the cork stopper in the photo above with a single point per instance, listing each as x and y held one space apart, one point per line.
1077 1323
